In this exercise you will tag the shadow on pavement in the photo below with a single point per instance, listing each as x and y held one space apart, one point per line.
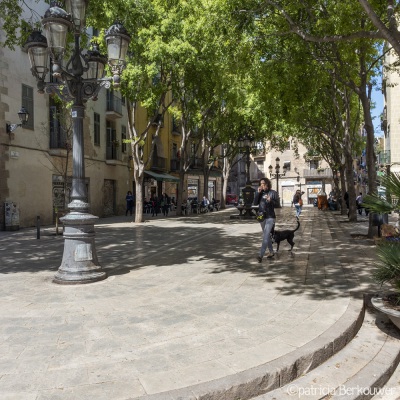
325 261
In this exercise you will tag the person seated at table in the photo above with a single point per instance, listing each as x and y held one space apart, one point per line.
184 207
205 203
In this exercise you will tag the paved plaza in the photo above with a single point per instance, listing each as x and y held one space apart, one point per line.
186 306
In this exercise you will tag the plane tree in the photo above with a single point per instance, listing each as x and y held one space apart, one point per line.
337 38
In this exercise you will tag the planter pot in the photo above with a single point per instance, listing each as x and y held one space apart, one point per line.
381 306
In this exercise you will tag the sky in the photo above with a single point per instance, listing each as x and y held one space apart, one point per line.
377 98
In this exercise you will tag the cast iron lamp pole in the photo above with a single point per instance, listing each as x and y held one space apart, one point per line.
80 80
277 174
246 146
298 177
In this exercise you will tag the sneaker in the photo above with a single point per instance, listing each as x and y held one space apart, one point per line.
270 255
259 259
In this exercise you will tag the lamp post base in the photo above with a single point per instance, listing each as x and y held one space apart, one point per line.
79 264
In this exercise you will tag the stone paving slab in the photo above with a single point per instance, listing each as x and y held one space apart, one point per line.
185 304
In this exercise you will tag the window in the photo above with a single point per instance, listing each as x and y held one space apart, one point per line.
113 148
288 145
286 165
123 137
314 164
96 126
123 100
58 132
27 102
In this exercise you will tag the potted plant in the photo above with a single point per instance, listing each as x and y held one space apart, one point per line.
388 250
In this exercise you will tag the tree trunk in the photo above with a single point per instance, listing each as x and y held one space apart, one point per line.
225 176
351 190
343 191
179 198
224 189
206 173
139 199
370 155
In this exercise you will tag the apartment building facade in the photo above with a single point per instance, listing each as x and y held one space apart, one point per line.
36 158
390 156
307 173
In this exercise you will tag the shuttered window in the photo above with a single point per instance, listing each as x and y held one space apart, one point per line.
27 102
123 137
96 118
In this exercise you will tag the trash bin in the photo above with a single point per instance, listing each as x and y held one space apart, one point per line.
379 219
11 216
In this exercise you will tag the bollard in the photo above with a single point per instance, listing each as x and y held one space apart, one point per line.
38 227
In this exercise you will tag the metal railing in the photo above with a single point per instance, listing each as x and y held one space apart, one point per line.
317 173
196 162
175 164
159 163
384 157
114 104
113 152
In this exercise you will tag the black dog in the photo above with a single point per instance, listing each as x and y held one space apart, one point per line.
278 236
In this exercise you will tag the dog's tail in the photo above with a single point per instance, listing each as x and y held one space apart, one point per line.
298 225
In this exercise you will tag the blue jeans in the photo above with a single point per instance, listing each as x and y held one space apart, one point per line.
266 227
298 210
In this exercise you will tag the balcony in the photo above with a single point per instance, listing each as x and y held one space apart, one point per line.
175 164
176 128
113 153
384 157
317 173
114 107
159 163
259 154
196 162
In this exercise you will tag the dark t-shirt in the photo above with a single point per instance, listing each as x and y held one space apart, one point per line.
264 206
296 198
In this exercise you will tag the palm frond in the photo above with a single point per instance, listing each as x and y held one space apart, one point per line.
388 266
378 204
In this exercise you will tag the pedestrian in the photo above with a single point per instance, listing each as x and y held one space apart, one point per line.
359 200
205 204
346 199
298 203
129 202
165 204
154 206
266 199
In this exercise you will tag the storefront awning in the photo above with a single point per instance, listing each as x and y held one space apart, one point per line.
162 177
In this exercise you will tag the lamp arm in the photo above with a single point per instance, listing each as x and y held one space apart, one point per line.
12 127
89 88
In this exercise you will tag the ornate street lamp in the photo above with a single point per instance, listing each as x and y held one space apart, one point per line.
246 146
277 174
80 80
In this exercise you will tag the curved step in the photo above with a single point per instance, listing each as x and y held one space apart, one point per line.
391 390
358 371
282 370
